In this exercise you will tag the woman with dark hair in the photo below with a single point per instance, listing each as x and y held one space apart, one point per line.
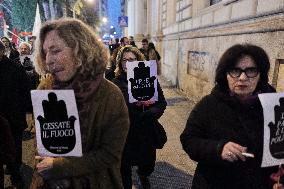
139 149
224 132
152 46
10 51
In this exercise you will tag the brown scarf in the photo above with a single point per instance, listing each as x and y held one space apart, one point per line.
84 89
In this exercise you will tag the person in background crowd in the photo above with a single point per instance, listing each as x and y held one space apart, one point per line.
32 40
70 51
110 68
131 38
158 60
149 53
152 46
131 41
139 148
27 62
113 46
10 51
7 147
24 49
229 122
15 102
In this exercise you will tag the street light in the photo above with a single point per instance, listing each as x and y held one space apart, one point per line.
89 1
104 19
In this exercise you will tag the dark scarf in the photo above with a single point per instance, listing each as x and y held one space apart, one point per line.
84 88
233 100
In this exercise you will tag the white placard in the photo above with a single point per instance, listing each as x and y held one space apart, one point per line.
28 58
57 123
273 144
142 81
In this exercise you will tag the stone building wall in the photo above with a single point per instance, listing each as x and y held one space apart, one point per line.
191 35
193 45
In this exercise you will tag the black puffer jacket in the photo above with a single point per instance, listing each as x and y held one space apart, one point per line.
217 119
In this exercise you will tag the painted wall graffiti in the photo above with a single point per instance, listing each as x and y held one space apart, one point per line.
197 60
201 64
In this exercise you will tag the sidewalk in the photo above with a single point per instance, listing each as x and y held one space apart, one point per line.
174 169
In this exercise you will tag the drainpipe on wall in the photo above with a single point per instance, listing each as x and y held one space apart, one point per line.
178 57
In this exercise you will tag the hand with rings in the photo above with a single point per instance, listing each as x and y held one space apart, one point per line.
44 164
230 153
233 152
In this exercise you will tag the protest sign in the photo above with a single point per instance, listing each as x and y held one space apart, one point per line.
27 62
273 144
57 123
142 81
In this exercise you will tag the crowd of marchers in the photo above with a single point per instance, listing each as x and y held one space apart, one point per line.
17 78
116 134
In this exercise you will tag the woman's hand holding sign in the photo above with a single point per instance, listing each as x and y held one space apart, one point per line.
44 164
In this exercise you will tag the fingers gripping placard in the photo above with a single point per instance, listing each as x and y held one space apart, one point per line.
57 123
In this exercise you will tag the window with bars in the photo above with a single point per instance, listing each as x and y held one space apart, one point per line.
212 2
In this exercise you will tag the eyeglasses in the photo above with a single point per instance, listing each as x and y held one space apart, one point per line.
250 72
129 60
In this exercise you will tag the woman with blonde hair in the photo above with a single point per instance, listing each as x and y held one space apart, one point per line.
140 147
70 51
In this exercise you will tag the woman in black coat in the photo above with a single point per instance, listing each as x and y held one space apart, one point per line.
10 51
7 147
140 147
229 122
15 102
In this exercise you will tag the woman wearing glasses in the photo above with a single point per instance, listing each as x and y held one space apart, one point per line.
224 132
139 149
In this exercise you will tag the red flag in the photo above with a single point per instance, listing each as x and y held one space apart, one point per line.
24 34
14 37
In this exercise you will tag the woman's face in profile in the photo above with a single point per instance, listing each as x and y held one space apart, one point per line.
127 57
243 78
59 57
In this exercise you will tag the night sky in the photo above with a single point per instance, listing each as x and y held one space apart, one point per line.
114 11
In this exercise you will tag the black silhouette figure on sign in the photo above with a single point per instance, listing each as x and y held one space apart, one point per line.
276 142
57 130
142 85
28 64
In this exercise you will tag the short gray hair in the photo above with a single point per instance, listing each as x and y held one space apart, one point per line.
25 43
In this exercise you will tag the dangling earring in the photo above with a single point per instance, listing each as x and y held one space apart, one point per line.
78 63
